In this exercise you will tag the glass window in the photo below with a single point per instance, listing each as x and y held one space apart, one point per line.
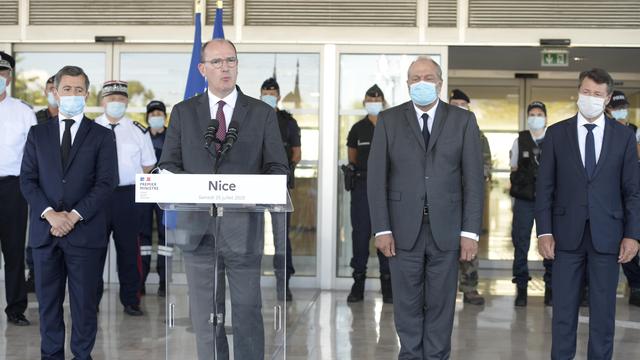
34 68
358 72
298 76
154 76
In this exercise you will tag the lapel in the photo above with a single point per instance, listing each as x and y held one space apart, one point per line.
203 112
241 108
438 123
54 143
572 136
606 144
83 129
412 119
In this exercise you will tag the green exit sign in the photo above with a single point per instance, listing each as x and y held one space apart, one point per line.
554 57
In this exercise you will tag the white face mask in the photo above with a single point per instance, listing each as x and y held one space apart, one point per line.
590 106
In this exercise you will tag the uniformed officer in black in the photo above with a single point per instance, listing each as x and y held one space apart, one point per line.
51 110
359 143
156 118
290 133
16 118
135 156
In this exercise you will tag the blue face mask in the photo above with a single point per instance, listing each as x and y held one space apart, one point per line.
423 93
156 122
71 105
3 84
536 122
51 100
620 114
116 109
270 100
373 108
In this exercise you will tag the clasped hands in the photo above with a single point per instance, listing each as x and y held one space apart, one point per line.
61 222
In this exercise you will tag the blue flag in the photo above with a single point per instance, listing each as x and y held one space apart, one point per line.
195 81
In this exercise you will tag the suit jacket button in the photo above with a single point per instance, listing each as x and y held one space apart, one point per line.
64 181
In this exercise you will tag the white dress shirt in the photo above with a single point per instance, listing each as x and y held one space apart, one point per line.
74 130
16 119
432 116
230 104
598 135
134 148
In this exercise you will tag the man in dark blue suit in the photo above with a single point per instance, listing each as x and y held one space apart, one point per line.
67 176
587 215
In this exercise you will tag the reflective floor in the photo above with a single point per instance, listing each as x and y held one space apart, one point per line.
321 325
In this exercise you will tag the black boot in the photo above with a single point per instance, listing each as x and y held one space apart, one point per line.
521 298
385 286
548 296
634 296
162 289
287 292
357 290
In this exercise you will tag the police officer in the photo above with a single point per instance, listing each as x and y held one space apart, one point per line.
290 133
156 118
468 283
358 144
51 111
15 120
525 154
618 109
135 155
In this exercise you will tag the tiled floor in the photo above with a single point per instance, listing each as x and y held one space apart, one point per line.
321 325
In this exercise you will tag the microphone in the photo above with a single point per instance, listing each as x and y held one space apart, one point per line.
230 138
210 133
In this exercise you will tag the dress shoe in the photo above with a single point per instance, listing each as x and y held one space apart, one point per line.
473 298
521 297
18 319
634 296
133 310
548 296
357 290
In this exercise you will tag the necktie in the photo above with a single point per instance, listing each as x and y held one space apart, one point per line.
117 174
65 147
590 151
222 127
425 129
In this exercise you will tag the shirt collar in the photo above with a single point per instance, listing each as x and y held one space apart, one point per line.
229 99
431 112
77 118
599 121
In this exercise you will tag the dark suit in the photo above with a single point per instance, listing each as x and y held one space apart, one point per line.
84 184
588 217
232 243
449 172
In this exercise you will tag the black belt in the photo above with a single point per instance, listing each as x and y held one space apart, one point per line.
8 177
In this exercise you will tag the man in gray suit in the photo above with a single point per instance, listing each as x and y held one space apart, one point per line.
425 188
232 244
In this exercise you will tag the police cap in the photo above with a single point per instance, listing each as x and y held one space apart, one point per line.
457 94
7 61
156 105
537 104
270 84
115 87
375 91
618 99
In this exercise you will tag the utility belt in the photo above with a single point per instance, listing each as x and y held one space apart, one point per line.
351 176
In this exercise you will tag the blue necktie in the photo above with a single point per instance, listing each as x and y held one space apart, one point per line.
425 130
590 151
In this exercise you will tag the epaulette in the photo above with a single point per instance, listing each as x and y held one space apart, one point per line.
141 127
26 103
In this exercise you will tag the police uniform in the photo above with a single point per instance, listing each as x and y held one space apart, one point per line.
134 151
359 138
16 118
43 115
290 135
148 211
525 155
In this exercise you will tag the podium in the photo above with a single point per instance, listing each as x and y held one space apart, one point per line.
232 305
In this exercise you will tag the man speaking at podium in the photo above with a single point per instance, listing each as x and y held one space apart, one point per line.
237 250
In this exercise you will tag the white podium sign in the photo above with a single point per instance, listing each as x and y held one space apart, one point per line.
211 189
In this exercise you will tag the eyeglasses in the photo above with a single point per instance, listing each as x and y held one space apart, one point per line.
231 61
